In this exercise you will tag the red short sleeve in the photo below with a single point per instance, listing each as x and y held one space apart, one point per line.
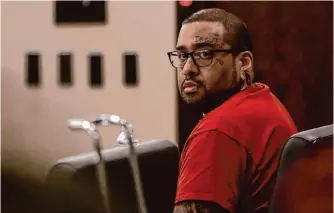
212 168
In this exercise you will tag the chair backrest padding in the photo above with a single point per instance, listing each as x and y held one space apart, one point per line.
75 179
305 175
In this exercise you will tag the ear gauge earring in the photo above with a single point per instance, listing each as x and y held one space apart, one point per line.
247 79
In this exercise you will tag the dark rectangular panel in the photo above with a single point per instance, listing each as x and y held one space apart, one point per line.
96 69
32 66
130 69
65 68
66 12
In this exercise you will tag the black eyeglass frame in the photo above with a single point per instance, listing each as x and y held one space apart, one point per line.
192 56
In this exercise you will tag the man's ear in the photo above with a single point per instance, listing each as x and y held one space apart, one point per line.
245 64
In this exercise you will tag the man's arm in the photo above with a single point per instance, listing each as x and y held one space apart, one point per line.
213 168
198 207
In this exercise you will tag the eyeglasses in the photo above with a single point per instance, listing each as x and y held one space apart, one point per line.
201 58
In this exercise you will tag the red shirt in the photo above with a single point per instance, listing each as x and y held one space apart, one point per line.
232 154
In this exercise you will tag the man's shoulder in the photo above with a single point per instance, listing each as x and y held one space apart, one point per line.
225 118
252 111
254 104
249 114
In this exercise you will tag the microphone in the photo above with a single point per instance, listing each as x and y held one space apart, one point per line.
106 119
80 124
126 137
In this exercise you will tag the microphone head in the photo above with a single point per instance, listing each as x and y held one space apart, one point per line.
114 119
75 123
80 124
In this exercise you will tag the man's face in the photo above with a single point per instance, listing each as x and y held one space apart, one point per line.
194 82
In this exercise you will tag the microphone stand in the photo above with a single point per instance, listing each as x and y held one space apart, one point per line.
90 128
127 130
135 171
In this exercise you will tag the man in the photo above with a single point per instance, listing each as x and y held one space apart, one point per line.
229 161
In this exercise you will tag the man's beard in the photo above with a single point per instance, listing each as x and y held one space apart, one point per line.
206 101
195 98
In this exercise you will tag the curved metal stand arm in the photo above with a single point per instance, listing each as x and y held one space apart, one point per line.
135 172
102 176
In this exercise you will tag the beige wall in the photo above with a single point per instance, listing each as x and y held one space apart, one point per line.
34 120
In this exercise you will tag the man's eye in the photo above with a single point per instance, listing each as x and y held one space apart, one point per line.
205 54
183 56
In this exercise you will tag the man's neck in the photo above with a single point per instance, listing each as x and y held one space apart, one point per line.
213 101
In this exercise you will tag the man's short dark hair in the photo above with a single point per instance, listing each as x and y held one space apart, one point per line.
237 34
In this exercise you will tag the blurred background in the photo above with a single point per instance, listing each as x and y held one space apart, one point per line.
34 115
65 60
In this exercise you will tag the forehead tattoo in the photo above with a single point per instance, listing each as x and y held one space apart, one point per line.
214 40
